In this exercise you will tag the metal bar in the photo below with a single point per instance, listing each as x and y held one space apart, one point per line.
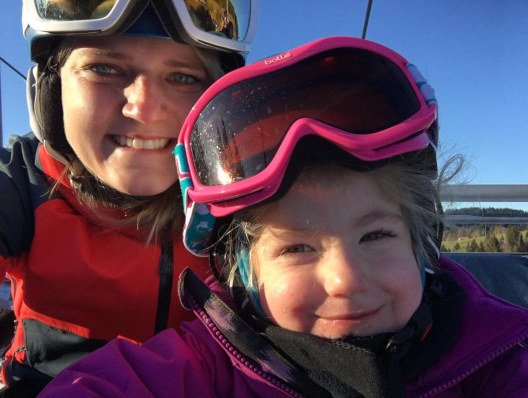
1 134
13 68
367 17
23 77
464 219
484 193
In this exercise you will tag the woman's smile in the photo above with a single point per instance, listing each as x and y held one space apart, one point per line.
138 143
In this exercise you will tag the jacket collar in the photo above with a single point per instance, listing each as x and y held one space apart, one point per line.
58 168
253 352
469 350
476 345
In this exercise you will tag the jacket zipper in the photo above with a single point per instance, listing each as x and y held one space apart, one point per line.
15 322
14 290
247 363
499 351
165 271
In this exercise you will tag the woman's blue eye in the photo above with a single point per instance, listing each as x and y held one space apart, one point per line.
183 79
103 69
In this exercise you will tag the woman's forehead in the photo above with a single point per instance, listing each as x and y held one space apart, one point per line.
137 47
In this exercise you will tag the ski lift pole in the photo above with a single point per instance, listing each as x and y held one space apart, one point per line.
23 77
13 68
1 135
367 17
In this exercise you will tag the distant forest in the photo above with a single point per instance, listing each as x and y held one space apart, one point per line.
487 211
486 237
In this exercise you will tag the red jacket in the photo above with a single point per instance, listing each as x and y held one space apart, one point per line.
75 283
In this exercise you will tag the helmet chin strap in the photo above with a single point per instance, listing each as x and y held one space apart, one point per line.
74 165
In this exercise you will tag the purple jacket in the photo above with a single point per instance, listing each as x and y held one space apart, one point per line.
488 360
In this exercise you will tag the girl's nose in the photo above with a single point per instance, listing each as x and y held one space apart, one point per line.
145 101
344 273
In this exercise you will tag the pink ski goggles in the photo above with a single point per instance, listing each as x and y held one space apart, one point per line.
366 99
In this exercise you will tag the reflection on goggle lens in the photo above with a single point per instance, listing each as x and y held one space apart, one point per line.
228 18
74 10
239 132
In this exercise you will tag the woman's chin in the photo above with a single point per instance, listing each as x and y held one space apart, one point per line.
141 188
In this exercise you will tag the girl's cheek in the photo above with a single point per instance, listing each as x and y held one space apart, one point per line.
283 289
285 293
276 293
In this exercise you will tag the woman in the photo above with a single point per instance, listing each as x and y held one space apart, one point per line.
91 224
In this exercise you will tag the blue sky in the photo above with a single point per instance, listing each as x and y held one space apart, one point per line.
474 53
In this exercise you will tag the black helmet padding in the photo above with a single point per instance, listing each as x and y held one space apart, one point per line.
48 111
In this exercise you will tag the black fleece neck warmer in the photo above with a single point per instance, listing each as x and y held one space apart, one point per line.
381 365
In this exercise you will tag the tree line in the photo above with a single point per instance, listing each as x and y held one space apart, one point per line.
511 239
486 237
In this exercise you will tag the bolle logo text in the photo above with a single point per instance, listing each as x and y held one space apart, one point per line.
277 58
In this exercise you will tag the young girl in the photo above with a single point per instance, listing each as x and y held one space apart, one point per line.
90 227
316 169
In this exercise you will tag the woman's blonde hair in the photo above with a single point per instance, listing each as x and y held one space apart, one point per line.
412 187
161 214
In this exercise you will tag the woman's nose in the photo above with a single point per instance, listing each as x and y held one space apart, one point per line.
145 101
344 273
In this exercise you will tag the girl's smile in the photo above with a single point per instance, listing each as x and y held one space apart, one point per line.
347 268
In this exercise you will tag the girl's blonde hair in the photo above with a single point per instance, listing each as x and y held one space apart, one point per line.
161 214
412 187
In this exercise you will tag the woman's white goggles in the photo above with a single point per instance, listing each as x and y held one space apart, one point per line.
224 24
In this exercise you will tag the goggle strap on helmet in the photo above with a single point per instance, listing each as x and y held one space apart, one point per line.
425 88
198 229
199 222
182 166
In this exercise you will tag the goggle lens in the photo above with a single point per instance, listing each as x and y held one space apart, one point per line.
228 18
73 10
239 132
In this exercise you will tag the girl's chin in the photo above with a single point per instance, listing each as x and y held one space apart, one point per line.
347 335
357 333
338 328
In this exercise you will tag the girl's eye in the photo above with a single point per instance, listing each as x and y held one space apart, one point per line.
376 235
296 249
181 78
